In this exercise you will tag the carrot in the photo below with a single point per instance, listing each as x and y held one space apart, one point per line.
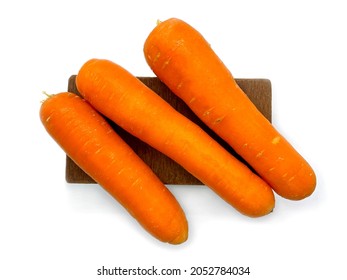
124 99
89 140
181 57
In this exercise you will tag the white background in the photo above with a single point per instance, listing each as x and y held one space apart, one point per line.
53 230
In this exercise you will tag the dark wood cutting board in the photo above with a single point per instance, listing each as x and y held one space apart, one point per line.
258 90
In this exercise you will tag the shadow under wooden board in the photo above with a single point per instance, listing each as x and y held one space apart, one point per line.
168 171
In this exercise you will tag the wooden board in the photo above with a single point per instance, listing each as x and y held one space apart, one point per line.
258 90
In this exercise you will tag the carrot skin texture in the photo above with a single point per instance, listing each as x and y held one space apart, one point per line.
181 58
122 98
90 141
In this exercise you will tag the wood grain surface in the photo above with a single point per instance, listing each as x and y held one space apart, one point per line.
258 90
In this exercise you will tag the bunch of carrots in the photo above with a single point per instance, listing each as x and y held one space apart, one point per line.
182 59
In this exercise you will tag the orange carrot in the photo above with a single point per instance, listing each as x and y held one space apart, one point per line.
89 140
124 99
181 58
